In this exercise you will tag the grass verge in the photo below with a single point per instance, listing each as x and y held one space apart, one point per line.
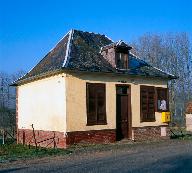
13 152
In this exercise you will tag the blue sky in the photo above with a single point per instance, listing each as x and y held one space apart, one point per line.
29 29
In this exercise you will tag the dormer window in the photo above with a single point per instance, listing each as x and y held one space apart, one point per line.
122 60
117 54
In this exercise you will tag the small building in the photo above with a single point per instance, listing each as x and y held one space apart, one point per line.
91 89
189 117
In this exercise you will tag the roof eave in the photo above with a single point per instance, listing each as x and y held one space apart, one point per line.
173 77
50 73
119 73
36 77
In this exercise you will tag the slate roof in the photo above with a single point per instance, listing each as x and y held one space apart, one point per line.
118 43
80 51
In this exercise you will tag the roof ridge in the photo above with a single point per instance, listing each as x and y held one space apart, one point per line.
45 55
68 50
120 41
96 33
59 42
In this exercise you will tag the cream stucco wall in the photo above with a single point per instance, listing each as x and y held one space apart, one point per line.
76 99
189 122
43 103
58 103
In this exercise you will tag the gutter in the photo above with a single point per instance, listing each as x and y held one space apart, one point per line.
55 72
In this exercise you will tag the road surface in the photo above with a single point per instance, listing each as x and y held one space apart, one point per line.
162 157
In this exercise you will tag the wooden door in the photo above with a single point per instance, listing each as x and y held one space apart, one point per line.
123 119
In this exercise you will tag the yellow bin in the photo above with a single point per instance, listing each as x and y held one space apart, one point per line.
165 117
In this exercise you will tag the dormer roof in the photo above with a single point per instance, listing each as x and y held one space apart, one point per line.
119 43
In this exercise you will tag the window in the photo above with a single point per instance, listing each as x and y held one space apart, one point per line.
122 90
96 104
122 60
162 99
147 99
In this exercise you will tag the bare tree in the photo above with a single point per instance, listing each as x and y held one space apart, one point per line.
7 99
171 53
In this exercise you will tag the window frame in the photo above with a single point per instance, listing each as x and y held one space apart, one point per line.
142 118
167 99
117 56
97 122
156 89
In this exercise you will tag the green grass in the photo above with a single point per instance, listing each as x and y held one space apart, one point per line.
12 152
180 133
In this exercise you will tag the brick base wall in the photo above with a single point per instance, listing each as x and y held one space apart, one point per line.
43 138
148 133
25 136
94 136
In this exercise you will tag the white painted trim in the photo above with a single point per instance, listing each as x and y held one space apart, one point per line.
68 50
109 38
42 58
136 57
163 71
58 42
50 50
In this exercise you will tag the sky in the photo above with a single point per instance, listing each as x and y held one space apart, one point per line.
29 29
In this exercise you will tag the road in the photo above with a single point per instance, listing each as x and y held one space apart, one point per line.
162 157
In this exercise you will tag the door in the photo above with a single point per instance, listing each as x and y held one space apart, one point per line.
123 117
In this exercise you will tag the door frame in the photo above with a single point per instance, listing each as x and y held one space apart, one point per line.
129 115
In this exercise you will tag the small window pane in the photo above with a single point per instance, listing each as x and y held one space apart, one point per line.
101 110
162 101
92 106
122 90
122 60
